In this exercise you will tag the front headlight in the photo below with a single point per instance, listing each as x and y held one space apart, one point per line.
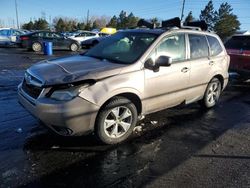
69 93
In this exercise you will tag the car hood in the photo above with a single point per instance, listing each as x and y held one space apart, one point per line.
73 69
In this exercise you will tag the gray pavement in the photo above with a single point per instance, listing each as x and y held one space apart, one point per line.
178 147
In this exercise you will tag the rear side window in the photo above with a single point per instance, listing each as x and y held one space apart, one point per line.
198 46
4 32
215 47
238 43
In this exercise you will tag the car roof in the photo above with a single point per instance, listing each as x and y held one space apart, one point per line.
145 30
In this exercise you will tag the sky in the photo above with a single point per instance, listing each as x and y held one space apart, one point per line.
163 9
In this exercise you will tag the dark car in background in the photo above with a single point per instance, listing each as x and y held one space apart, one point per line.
35 40
238 48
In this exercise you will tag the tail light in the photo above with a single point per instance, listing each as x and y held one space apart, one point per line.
24 38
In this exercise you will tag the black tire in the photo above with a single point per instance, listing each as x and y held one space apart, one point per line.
105 134
74 47
212 94
36 47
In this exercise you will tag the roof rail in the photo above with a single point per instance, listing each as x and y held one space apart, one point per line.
197 24
144 23
174 23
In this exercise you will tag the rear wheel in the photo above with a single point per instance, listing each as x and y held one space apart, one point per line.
36 47
74 47
212 94
116 121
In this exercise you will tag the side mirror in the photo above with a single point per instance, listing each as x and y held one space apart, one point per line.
163 61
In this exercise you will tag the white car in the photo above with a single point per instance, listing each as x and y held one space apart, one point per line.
84 35
9 36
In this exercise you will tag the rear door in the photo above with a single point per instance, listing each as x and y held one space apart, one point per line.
201 67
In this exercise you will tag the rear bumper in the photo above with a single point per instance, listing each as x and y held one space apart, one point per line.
75 117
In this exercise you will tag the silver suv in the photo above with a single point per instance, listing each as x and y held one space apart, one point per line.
126 76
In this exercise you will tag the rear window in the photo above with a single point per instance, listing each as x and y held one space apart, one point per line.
215 47
198 46
238 43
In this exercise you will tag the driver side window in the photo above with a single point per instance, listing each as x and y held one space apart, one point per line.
172 46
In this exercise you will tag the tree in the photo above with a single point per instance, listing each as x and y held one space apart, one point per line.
189 17
60 25
227 23
208 15
131 21
80 26
28 26
155 21
113 22
41 24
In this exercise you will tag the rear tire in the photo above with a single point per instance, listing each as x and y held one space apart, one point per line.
36 47
212 94
116 121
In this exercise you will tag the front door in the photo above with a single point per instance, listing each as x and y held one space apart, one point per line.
167 87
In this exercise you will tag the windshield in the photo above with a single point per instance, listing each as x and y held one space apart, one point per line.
123 47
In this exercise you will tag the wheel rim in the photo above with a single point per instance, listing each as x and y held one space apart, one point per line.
117 122
74 47
213 93
36 47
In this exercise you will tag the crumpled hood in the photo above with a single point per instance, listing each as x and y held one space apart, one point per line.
73 69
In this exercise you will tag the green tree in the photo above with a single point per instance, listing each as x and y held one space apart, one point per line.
28 26
227 23
131 21
208 15
41 24
80 26
60 25
155 21
113 22
189 17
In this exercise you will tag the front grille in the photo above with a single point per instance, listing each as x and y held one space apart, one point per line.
31 90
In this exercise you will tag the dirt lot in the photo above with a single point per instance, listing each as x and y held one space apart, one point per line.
179 147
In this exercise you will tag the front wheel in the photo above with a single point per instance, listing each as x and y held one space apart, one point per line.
116 121
212 94
74 47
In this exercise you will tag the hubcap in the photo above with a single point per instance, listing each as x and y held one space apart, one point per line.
213 93
117 122
36 47
74 47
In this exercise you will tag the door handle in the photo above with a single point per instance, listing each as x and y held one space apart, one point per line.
184 69
211 62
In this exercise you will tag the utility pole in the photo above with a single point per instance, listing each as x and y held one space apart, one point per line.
182 9
17 21
88 17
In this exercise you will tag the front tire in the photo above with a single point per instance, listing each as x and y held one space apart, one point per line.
74 47
212 94
116 121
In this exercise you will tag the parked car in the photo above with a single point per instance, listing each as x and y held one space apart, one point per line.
134 73
36 39
94 41
9 36
84 35
238 47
